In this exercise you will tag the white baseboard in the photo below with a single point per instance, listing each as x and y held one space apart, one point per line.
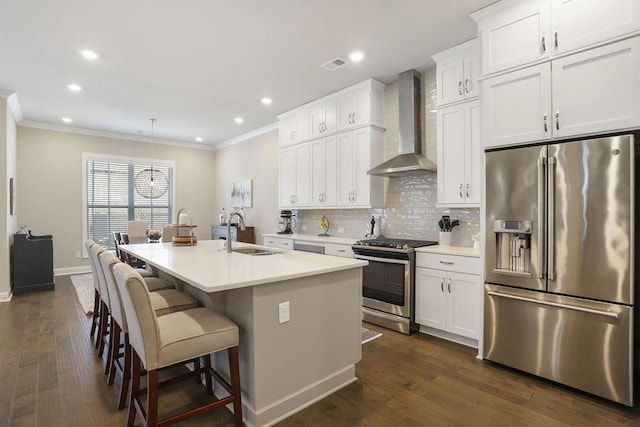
6 296
66 271
469 342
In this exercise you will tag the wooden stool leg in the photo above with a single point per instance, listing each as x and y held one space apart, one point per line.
104 319
135 388
96 312
196 368
152 397
207 374
110 354
126 373
114 351
234 366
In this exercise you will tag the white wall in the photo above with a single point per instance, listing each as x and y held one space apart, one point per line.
255 159
49 184
7 170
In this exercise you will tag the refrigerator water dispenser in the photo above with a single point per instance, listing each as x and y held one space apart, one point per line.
513 243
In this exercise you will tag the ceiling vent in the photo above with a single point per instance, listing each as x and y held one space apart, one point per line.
334 64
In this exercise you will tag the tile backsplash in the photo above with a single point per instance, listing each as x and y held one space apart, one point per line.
410 201
411 213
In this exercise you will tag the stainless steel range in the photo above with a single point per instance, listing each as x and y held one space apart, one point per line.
388 281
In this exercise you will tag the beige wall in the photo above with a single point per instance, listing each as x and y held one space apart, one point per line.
7 170
255 159
49 184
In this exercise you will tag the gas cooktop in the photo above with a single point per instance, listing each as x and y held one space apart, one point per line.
383 242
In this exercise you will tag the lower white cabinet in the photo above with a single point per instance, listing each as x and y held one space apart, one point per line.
446 299
278 242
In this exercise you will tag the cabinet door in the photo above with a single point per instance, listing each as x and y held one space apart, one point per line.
323 172
301 127
431 303
316 118
302 175
472 153
361 164
345 112
451 161
580 23
597 90
472 73
287 132
450 82
323 120
346 174
287 176
516 107
361 109
463 304
515 36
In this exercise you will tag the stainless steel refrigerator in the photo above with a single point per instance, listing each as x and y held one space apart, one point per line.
560 263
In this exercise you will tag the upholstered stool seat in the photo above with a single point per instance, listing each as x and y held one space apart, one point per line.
174 339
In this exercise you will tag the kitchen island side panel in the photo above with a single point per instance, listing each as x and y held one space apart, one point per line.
290 365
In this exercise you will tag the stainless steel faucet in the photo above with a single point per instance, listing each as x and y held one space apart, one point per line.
242 227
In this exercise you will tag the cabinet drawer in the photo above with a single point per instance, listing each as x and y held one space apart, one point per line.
278 242
338 250
460 264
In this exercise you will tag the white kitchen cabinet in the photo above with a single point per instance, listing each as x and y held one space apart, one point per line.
279 242
294 176
519 33
593 91
337 249
324 171
294 128
359 151
323 120
457 71
448 297
459 158
353 110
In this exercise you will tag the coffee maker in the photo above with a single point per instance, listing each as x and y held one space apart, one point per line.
285 222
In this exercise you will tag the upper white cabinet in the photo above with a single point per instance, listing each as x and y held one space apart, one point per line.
458 70
588 92
323 120
324 173
359 151
344 140
359 109
294 128
518 33
459 160
294 176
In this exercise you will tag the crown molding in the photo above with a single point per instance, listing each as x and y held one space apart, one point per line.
247 136
13 103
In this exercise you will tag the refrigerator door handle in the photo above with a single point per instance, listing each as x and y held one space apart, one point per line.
541 209
551 274
555 304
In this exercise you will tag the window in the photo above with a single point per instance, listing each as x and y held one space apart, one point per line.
111 198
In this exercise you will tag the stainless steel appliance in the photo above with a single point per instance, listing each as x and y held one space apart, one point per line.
388 281
560 263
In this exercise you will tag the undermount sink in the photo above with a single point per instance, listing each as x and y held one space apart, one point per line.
255 251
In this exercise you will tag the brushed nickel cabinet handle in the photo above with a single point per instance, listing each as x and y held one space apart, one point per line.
460 87
460 191
557 120
447 262
544 120
467 191
466 86
449 285
544 44
555 38
442 284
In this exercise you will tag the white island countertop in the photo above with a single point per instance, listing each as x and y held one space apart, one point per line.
451 250
208 267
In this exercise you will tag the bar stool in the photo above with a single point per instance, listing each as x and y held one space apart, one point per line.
174 339
163 302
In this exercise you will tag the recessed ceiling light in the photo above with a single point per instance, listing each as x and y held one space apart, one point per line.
266 101
356 56
74 87
89 54
199 138
238 120
67 119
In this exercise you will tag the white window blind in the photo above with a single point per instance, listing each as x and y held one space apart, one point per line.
112 201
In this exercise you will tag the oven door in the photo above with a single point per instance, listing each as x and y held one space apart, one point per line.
386 285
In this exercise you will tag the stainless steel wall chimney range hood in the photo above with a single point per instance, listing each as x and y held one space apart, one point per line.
410 158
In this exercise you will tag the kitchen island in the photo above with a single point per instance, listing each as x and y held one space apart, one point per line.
284 365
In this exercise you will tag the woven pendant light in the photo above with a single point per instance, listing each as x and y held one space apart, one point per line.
151 183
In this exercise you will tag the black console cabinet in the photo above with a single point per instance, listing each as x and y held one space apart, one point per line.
32 263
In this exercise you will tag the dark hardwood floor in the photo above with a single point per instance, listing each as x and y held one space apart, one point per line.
50 376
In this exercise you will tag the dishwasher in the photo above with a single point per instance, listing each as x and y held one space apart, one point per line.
308 247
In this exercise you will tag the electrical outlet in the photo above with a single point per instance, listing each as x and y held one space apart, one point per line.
304 228
340 229
78 255
283 312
